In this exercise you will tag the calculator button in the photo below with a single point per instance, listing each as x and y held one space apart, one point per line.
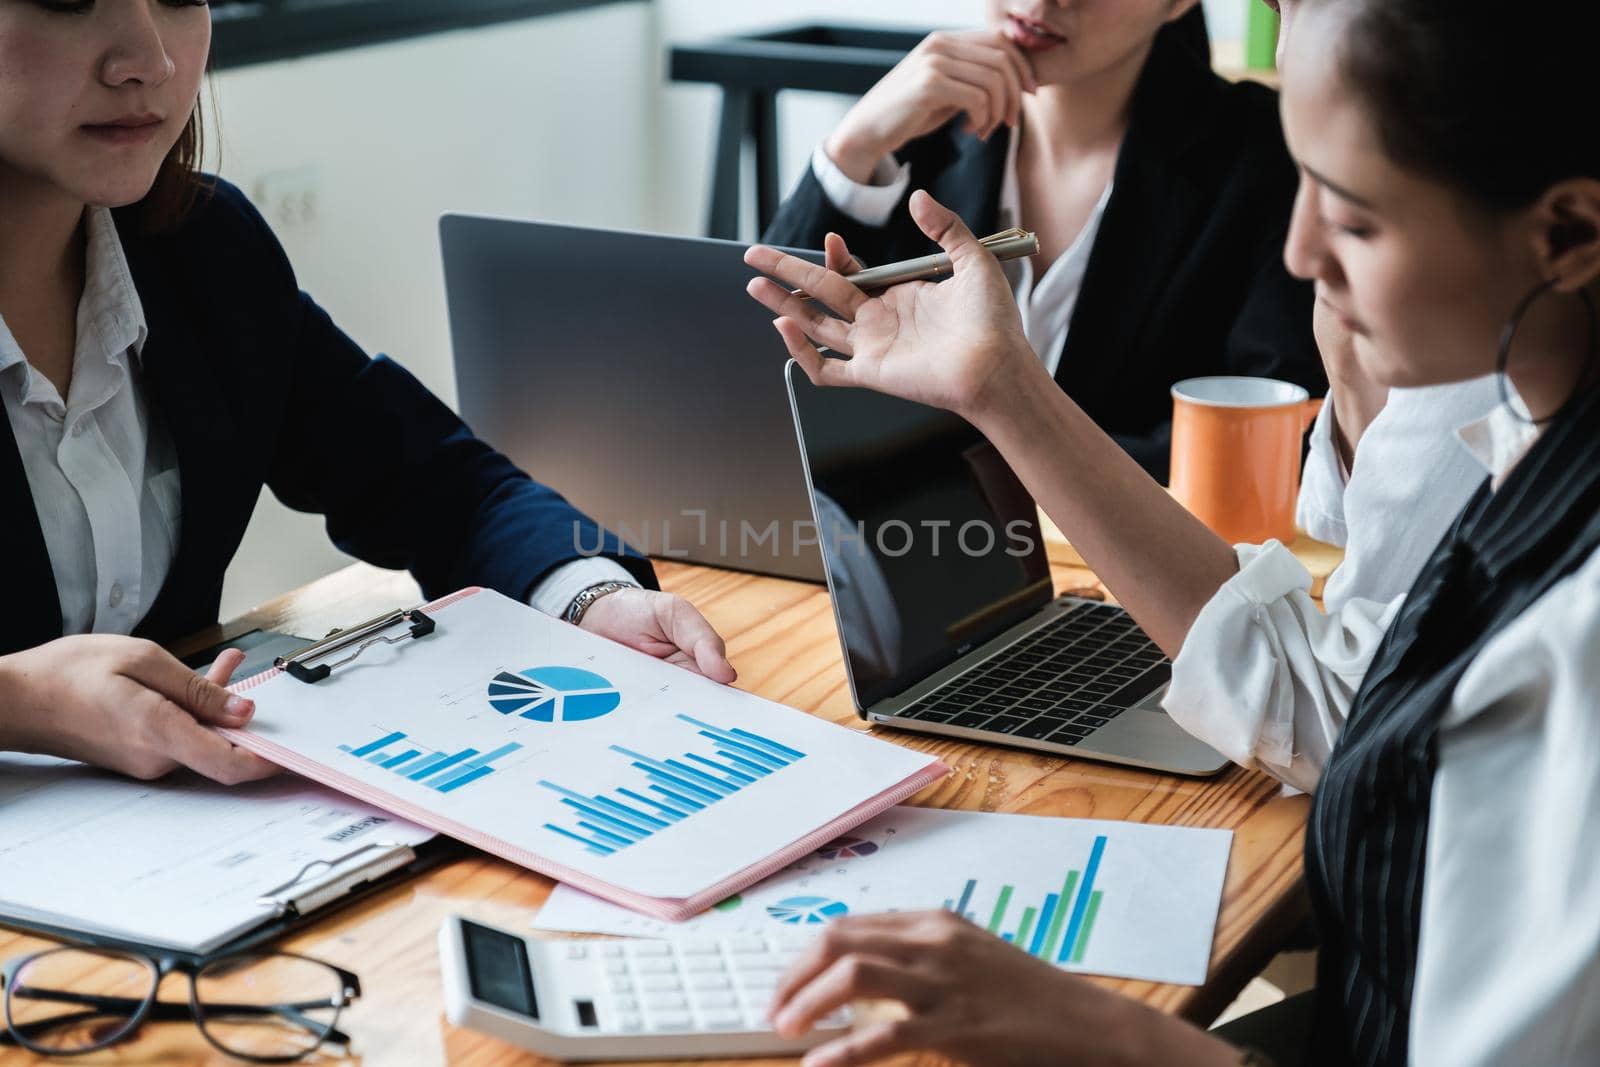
660 983
619 967
630 1023
651 949
621 985
703 965
672 1021
577 951
611 951
761 983
652 966
666 1002
626 1005
764 962
698 948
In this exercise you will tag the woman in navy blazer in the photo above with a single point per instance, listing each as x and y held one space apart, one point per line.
241 380
1162 187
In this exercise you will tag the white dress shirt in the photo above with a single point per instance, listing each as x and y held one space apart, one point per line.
1046 303
1411 478
1508 967
99 466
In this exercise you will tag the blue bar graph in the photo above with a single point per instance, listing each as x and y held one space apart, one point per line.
675 787
442 772
1081 905
367 750
966 898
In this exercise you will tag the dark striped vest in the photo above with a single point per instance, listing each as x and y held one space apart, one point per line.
1368 831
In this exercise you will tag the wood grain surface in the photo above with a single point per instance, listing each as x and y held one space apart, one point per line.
782 639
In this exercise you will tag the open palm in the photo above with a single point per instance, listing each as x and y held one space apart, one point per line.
941 344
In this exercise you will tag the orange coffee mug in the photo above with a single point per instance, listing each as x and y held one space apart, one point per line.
1236 447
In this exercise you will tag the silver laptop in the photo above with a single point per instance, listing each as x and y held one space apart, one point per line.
942 592
630 372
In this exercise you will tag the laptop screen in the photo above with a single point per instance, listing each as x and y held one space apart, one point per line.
931 543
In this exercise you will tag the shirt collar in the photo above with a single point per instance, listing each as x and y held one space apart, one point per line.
110 312
1501 437
110 321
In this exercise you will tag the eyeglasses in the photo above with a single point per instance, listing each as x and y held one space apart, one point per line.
270 1007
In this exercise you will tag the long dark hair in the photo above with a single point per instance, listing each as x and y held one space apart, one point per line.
179 184
1490 98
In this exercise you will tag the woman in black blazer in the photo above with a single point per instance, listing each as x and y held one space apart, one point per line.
1160 193
159 366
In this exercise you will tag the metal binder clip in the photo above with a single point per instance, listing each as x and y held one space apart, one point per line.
363 637
327 879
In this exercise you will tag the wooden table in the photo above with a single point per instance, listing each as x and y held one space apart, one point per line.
782 639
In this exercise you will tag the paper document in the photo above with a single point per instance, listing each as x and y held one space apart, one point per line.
181 862
1113 898
576 756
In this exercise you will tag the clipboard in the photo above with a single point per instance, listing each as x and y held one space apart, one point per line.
313 902
713 790
185 867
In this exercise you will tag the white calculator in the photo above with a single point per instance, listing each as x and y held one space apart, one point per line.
620 1000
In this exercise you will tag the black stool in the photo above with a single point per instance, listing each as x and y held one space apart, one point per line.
751 69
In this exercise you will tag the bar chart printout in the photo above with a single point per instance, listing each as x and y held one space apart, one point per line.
1128 900
1056 929
672 789
443 772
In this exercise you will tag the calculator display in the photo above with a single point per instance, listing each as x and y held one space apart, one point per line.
497 968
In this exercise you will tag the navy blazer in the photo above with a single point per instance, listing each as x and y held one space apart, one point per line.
1186 277
256 386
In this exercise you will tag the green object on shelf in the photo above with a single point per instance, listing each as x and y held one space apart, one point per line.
1260 36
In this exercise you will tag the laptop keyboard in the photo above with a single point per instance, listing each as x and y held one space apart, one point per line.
1059 684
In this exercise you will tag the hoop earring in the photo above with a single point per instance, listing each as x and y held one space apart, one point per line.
1509 334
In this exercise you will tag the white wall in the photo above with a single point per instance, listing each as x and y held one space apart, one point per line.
550 117
566 118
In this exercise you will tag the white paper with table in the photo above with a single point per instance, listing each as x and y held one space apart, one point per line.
180 863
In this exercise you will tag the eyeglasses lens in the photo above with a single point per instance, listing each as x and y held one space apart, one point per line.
268 1006
72 1000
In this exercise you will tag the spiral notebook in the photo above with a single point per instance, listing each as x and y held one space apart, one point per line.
605 768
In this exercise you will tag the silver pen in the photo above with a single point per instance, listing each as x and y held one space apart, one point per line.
1009 244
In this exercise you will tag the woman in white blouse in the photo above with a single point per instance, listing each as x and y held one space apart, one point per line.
1451 222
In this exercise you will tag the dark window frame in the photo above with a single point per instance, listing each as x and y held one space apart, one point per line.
245 32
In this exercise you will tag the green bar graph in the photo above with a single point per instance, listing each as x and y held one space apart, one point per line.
1088 926
1025 928
999 909
1066 915
1059 920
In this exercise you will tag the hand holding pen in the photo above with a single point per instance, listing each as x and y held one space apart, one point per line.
957 345
1008 244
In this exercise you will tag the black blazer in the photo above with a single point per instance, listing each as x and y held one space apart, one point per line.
256 386
1186 277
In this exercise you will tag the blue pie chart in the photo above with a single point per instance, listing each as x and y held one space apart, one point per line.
553 694
807 911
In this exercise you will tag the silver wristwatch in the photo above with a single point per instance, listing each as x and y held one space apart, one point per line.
582 602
